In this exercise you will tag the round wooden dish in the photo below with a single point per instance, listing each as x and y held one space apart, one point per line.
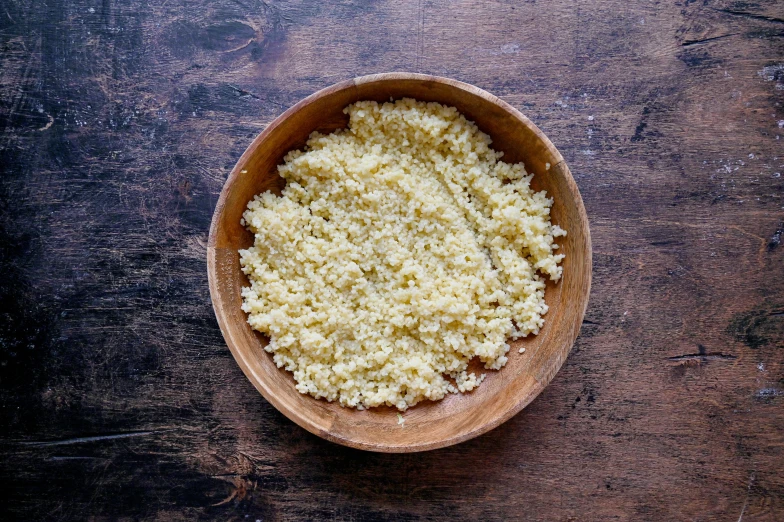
458 417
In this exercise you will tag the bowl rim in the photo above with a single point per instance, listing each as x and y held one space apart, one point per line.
267 392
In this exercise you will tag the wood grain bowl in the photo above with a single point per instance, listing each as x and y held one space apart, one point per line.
428 425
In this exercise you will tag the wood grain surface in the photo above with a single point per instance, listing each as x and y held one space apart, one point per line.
120 122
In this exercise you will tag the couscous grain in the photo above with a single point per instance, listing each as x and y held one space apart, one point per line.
400 248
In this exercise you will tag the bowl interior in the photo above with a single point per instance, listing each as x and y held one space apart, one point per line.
457 417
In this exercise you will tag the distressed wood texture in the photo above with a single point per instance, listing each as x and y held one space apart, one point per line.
120 122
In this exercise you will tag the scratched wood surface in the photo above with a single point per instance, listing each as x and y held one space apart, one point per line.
120 122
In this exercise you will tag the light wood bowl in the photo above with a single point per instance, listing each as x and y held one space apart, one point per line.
457 417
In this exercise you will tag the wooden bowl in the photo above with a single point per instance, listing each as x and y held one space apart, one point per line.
457 417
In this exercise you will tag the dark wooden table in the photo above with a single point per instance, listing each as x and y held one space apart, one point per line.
120 122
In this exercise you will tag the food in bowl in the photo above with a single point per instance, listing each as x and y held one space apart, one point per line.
401 248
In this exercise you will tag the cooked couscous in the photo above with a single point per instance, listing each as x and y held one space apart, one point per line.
401 248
